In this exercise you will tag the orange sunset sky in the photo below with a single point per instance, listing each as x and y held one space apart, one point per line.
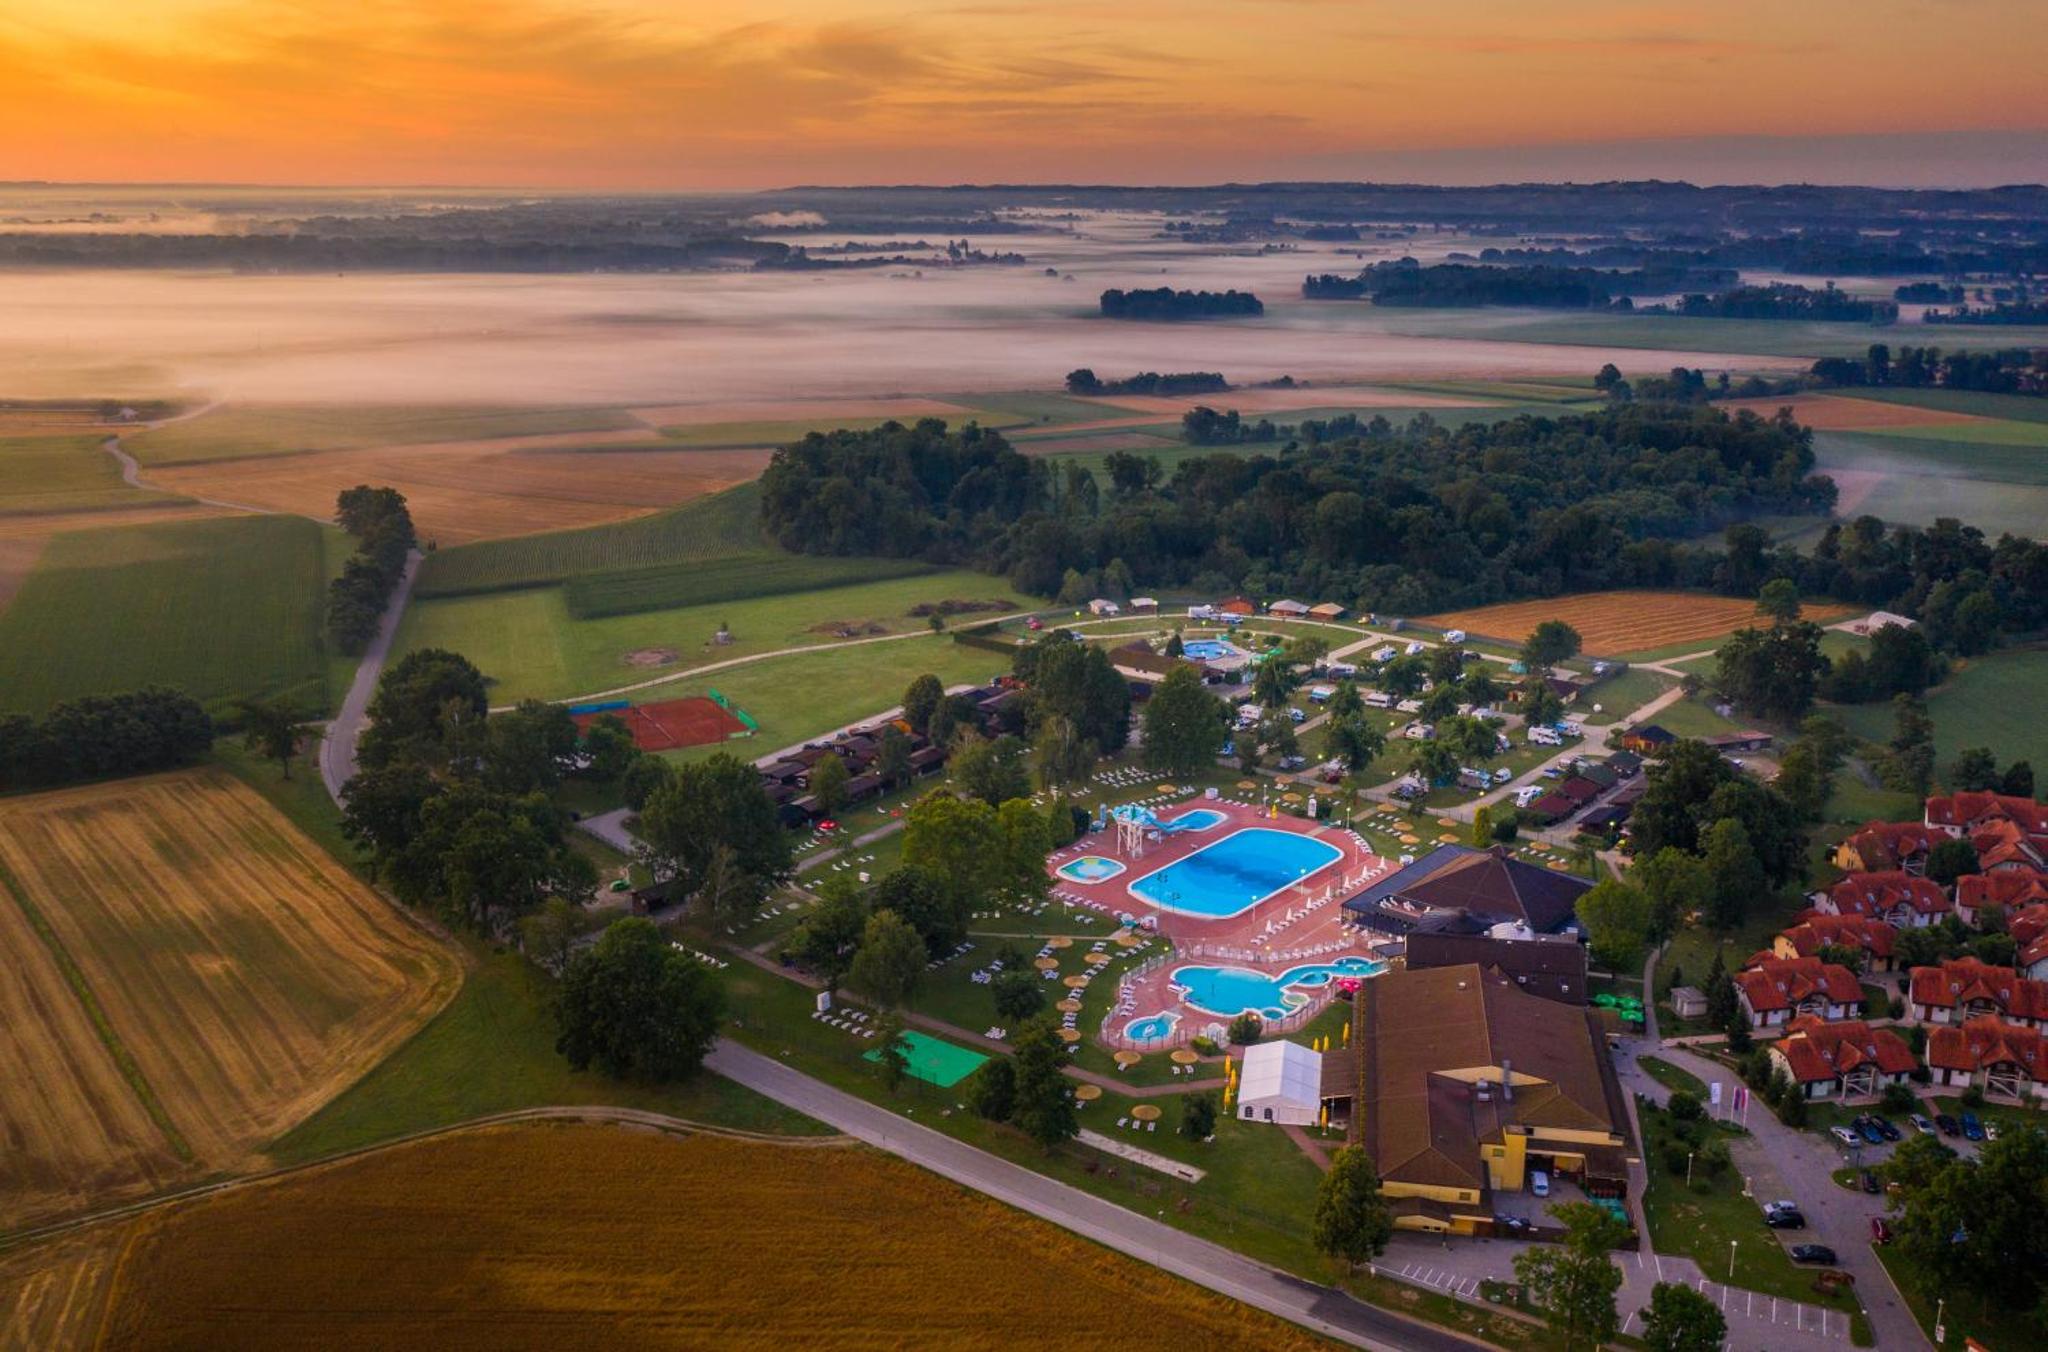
681 94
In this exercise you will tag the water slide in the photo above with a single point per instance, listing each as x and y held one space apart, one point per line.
1143 816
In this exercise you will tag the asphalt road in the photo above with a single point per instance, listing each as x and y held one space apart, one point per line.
338 748
1321 1308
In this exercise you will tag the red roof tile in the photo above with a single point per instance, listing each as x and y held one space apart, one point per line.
1811 935
2012 889
1873 894
1966 810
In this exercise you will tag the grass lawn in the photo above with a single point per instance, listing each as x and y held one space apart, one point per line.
1675 1078
719 526
1964 1315
1701 1221
1624 694
530 646
1760 337
493 1050
239 433
1691 951
805 694
1692 716
2024 407
65 474
1996 486
222 609
1989 701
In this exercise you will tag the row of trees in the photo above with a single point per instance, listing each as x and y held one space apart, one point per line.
2012 370
1164 302
382 526
1084 381
103 737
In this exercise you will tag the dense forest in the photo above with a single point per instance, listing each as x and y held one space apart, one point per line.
1407 283
1163 302
1403 520
1784 300
2006 312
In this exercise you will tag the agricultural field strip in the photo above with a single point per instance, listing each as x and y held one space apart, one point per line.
40 475
226 432
1619 622
710 582
80 1123
240 1024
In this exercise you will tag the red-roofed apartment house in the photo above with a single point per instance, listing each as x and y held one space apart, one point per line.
1998 1057
1850 1058
2029 930
1815 931
1962 989
1900 899
1962 814
1882 846
2009 890
2005 846
1774 991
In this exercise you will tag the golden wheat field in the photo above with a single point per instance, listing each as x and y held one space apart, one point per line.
563 1237
1616 622
187 976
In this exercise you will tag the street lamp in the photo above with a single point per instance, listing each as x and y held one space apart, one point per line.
1688 1168
1731 1258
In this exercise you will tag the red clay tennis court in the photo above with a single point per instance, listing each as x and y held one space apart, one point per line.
695 721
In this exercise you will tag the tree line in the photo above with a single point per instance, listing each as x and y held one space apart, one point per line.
1164 302
382 527
1085 381
103 737
2012 370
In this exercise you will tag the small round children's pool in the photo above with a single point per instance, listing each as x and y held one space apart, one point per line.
1209 649
1090 868
1151 1028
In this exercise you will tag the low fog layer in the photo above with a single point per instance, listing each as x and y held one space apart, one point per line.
695 337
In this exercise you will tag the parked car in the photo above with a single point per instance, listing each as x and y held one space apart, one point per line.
1870 1183
1868 1130
1845 1136
1880 1233
1972 1129
1788 1219
1783 1204
1922 1125
1292 762
1948 1125
1813 1253
1884 1125
1539 1182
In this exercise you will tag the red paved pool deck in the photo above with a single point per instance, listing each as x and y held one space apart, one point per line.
1303 923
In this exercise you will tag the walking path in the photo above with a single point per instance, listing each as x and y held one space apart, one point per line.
1321 1308
338 749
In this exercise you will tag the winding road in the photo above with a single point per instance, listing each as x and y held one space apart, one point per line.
345 731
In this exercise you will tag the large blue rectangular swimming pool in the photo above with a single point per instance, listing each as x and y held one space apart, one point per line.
1236 873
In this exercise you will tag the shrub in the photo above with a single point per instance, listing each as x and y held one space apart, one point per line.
1684 1107
1899 1099
1246 1029
1675 1155
1973 1098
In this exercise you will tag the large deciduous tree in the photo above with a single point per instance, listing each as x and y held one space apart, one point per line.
635 1006
1352 1220
1183 725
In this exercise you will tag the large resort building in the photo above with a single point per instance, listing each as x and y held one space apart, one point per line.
1466 1083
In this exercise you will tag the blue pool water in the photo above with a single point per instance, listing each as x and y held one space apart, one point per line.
1209 649
1201 819
1151 1028
1236 873
1090 868
1228 992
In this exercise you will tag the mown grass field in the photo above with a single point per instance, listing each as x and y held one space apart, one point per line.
221 609
1758 337
2024 407
242 432
197 975
1915 479
65 474
714 527
1992 701
512 1237
531 646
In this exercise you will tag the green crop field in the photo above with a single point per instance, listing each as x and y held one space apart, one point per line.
220 609
1991 701
2012 432
2023 407
239 433
719 526
1997 488
65 474
741 577
1551 390
532 647
1759 337
782 431
1034 406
